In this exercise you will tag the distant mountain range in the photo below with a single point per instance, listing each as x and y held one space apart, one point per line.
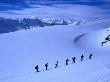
11 25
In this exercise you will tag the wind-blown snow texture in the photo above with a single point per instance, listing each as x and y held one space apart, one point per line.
21 51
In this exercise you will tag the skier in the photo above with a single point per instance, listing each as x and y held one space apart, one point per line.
82 57
107 38
90 56
37 68
74 58
46 65
56 65
67 61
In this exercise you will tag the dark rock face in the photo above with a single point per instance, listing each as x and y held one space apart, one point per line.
10 25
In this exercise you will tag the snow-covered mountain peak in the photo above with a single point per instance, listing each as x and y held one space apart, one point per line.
11 25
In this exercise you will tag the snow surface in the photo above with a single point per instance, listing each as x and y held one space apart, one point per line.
22 50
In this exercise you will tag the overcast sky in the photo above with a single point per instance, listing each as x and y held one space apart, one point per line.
22 4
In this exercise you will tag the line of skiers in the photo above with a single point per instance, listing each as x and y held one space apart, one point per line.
67 60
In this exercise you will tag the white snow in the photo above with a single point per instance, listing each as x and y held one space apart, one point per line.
22 50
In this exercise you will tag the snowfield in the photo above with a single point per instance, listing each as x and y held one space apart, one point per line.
22 50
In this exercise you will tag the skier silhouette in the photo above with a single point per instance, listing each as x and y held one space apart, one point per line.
107 38
67 61
56 65
46 66
82 57
90 56
74 58
37 68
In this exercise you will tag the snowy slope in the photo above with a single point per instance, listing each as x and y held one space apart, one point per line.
22 50
67 30
88 70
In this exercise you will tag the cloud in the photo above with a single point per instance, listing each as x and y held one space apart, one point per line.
57 7
25 3
61 10
68 0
